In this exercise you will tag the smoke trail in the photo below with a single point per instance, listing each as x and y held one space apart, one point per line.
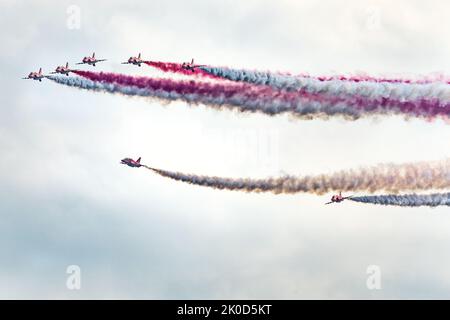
409 200
388 177
437 92
367 78
176 68
267 100
83 83
265 76
235 97
242 97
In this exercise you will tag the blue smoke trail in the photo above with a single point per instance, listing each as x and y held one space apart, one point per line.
409 200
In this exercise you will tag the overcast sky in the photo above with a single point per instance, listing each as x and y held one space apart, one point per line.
66 200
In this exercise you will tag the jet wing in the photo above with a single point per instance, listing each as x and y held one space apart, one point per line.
329 202
80 63
100 60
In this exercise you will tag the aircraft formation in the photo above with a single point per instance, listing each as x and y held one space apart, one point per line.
92 61
255 91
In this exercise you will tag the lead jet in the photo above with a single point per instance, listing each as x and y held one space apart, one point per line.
35 75
132 163
91 60
338 198
190 65
134 60
62 69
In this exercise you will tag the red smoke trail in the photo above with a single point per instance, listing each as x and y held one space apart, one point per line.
360 78
368 78
176 68
170 90
256 97
186 87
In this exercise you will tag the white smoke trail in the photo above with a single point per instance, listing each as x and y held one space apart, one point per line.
374 90
388 177
408 200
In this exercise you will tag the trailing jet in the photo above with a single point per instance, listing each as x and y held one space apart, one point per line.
35 75
190 65
134 60
132 163
338 198
62 69
91 60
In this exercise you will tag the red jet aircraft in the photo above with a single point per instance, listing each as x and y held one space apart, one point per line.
91 60
190 65
338 198
35 75
132 163
134 60
62 69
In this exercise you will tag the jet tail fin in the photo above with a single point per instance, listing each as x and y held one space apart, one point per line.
67 64
40 70
139 56
93 54
138 160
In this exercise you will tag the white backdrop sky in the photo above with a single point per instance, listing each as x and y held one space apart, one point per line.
65 199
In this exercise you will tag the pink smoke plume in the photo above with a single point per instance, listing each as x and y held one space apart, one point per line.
176 68
367 78
268 100
225 90
362 77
